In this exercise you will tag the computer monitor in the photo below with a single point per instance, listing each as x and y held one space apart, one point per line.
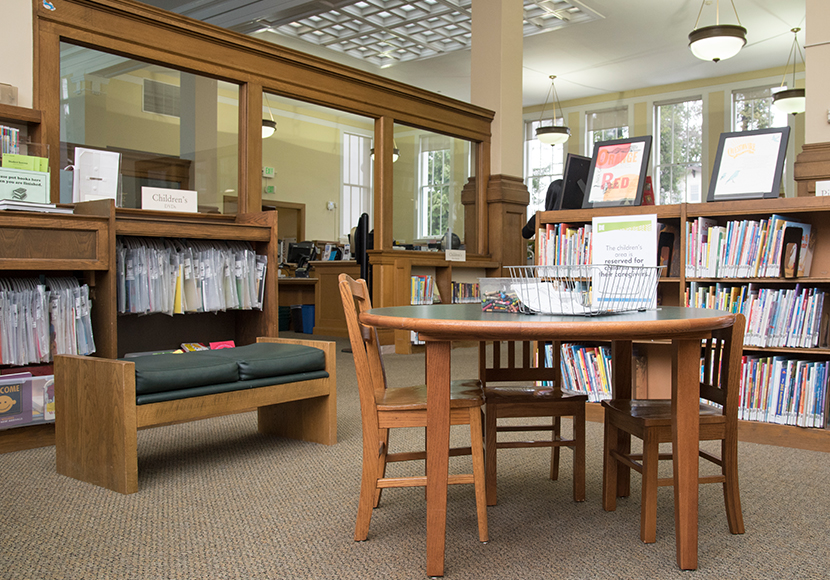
573 182
301 253
363 241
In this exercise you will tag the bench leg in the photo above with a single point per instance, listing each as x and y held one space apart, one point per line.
95 422
308 420
313 419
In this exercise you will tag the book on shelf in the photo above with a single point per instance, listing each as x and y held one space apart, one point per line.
785 391
771 248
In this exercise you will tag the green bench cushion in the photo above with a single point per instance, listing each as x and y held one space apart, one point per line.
167 372
217 369
226 387
267 359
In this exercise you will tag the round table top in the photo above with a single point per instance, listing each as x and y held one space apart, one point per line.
468 322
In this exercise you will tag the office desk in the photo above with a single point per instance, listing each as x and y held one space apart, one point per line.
439 325
296 290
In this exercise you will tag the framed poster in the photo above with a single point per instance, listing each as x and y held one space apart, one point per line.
618 172
748 164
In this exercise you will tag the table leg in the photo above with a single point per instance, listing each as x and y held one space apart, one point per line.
438 444
685 398
622 355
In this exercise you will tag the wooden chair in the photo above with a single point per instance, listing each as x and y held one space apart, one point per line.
382 409
509 391
650 421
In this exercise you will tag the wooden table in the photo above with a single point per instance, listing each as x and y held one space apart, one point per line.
441 324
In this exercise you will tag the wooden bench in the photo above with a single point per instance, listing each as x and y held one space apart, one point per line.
97 415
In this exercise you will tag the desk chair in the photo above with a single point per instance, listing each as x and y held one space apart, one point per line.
509 391
382 409
650 421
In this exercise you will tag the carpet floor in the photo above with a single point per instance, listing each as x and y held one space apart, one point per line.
217 500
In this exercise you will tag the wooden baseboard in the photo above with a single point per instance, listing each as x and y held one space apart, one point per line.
756 432
28 437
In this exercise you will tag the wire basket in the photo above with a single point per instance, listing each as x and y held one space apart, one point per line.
585 289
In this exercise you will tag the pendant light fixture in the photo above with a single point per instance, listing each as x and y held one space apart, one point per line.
720 41
552 135
268 125
791 100
395 152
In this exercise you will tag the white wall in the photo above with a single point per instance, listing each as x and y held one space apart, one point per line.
817 129
16 46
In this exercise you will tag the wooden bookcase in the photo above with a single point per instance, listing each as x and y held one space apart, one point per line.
671 290
83 244
392 275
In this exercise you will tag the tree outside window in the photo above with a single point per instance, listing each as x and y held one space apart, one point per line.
606 125
678 151
752 109
435 180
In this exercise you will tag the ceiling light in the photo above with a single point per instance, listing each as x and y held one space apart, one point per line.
395 152
717 42
553 135
268 125
791 100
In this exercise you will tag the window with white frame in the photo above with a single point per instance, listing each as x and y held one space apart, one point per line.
605 125
543 164
434 185
677 151
356 192
752 109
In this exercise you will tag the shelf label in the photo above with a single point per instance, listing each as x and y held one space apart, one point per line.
160 198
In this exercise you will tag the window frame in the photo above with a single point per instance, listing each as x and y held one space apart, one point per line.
657 165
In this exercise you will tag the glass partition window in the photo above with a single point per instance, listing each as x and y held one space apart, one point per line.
543 164
428 178
605 125
356 193
434 184
172 129
678 151
317 160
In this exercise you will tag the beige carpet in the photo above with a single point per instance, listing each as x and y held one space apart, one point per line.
217 500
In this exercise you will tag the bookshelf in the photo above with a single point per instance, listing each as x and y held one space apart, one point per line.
672 290
83 245
392 272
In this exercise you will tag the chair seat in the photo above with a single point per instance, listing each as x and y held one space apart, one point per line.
521 393
657 412
463 394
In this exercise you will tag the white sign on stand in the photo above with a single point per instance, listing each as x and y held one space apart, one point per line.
629 240
163 199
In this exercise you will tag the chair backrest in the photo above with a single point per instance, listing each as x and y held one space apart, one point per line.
510 361
371 375
721 373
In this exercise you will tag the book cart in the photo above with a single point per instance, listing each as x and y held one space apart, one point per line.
792 347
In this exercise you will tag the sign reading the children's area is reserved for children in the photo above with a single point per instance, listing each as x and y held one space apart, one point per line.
624 241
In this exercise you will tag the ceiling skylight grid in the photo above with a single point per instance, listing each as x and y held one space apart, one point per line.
384 32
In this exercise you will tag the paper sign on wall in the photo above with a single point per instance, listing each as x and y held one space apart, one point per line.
96 175
164 199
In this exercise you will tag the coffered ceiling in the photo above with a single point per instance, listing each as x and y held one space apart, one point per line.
593 46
